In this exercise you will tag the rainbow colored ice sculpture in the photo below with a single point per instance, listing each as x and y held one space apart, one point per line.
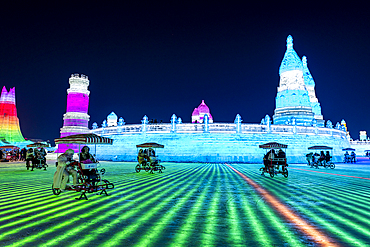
9 122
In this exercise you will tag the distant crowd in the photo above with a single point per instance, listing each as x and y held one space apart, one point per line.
23 154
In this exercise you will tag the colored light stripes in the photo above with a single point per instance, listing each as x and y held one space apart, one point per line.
187 205
331 173
302 225
336 204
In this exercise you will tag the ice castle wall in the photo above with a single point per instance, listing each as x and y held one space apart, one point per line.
220 146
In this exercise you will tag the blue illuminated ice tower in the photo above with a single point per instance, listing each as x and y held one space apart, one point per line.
296 102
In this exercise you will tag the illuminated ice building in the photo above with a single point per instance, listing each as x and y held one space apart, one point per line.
297 122
75 120
10 132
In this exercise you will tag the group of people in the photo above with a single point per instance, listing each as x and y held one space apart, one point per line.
146 155
35 158
13 154
318 159
350 158
67 166
271 157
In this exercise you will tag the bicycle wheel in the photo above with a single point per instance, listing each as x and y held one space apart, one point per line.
272 172
285 173
55 191
137 168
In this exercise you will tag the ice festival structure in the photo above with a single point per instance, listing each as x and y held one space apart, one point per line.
75 120
10 132
297 122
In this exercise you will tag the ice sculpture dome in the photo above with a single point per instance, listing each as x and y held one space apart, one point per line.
112 116
112 119
195 112
203 108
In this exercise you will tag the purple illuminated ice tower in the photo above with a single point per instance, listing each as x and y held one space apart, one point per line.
75 120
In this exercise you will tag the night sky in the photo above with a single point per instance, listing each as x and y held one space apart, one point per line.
160 59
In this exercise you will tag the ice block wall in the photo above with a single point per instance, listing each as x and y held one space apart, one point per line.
217 147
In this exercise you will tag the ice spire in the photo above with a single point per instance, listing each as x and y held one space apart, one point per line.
291 60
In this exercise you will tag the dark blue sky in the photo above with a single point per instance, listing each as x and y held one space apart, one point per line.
159 59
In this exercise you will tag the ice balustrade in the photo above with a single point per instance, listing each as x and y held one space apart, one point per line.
218 128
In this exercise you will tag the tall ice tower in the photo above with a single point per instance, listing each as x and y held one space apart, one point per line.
292 100
75 120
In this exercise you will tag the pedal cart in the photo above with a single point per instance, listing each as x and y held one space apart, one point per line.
349 158
89 178
39 160
275 159
321 156
367 153
147 158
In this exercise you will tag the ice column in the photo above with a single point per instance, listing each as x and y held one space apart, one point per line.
121 122
238 122
268 123
173 123
206 123
144 124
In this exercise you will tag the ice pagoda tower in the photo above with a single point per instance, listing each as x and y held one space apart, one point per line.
293 101
75 120
9 122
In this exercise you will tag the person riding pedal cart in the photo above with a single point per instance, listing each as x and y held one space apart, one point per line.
65 168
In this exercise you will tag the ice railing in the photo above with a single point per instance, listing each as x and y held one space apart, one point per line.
216 128
357 142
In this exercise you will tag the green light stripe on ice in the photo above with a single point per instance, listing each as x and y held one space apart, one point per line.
335 218
154 233
341 205
208 236
29 224
342 215
234 219
306 228
330 222
111 204
248 210
334 174
86 215
187 229
33 217
31 205
149 212
274 220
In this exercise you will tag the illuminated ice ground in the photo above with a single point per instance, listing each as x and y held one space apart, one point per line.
190 204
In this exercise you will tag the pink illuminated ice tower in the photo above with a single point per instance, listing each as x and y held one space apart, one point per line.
75 120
